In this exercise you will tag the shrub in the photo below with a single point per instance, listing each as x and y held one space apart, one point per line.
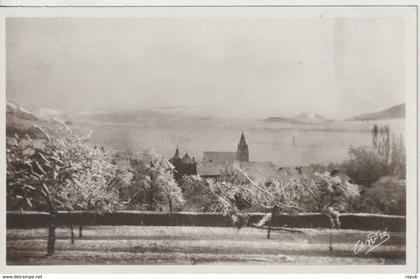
387 196
365 166
195 191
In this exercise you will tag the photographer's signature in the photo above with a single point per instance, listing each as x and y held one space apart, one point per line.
372 241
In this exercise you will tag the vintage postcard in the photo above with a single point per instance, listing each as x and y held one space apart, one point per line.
167 139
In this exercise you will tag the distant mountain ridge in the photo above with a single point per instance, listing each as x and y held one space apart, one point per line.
395 112
301 118
311 116
135 131
282 119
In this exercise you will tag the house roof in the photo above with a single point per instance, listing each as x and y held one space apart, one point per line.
256 170
210 168
121 162
261 171
121 155
285 172
340 173
187 159
219 157
169 165
296 171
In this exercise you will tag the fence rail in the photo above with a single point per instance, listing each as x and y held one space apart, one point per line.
30 219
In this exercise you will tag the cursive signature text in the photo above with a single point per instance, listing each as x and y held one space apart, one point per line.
372 241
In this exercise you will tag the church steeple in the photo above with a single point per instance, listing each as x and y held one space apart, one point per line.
176 156
242 153
242 140
176 159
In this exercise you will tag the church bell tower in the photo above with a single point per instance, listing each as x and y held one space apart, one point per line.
242 154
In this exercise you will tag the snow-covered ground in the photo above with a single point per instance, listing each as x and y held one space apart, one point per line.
199 245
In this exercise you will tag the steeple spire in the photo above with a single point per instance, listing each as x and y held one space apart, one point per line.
242 153
242 140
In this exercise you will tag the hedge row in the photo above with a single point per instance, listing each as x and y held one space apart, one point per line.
137 218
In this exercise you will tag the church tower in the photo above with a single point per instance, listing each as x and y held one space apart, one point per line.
242 154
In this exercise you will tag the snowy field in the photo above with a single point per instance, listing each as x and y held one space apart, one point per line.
198 245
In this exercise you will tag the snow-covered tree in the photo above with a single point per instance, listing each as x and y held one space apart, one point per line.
59 171
321 193
153 184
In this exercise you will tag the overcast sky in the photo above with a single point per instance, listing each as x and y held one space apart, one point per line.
252 67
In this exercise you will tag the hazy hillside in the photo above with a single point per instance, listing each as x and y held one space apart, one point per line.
19 112
20 126
141 117
21 121
395 112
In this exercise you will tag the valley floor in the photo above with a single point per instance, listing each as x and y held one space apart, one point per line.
121 245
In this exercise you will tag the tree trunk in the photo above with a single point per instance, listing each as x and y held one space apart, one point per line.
152 206
51 234
271 222
330 244
80 230
170 203
72 233
52 220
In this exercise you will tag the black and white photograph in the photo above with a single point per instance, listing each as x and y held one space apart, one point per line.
271 137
